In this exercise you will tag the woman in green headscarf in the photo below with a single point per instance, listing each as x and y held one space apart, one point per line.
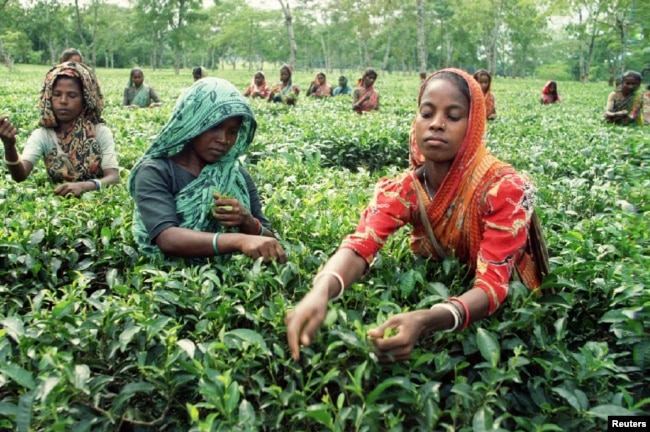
193 197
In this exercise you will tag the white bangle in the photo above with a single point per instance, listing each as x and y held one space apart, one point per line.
14 163
454 313
98 184
337 276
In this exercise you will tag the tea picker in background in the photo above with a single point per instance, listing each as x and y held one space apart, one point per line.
284 91
484 78
194 199
460 200
319 87
258 87
550 94
365 98
625 104
75 144
139 95
199 72
343 88
71 55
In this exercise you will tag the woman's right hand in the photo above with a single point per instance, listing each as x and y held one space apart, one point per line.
304 321
7 131
267 248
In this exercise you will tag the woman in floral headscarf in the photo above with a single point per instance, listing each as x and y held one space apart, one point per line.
284 91
460 200
193 197
77 147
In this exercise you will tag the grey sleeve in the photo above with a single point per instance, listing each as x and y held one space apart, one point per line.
154 199
256 202
153 96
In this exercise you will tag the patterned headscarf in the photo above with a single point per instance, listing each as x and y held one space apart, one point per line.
207 103
81 154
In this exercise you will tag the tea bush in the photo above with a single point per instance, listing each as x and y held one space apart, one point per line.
95 337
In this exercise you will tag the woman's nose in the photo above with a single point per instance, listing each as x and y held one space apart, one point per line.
437 121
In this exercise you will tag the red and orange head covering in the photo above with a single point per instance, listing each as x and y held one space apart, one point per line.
475 125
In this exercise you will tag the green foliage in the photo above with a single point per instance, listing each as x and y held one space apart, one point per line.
94 337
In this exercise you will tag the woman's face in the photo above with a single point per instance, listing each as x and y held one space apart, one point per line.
138 78
259 80
321 79
484 81
630 85
67 100
441 121
214 143
285 75
369 80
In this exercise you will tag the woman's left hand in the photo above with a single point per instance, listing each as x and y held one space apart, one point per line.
399 347
75 189
230 213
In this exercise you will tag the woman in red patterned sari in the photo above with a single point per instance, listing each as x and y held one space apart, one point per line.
476 208
365 98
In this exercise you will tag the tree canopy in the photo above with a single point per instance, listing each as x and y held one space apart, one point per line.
566 39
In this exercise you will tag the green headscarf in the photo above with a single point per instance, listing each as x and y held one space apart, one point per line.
207 103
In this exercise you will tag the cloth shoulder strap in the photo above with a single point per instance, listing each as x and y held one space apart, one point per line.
425 219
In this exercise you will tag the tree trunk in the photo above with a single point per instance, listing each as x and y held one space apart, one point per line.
494 37
326 54
387 52
422 47
590 54
288 19
622 28
79 26
95 26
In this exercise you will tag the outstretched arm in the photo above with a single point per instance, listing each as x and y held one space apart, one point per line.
18 168
306 318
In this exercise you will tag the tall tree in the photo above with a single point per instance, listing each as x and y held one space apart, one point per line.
288 22
422 50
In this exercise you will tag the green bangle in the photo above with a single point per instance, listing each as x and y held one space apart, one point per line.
214 243
262 230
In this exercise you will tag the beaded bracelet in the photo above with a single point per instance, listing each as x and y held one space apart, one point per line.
214 243
338 276
465 309
14 163
454 312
